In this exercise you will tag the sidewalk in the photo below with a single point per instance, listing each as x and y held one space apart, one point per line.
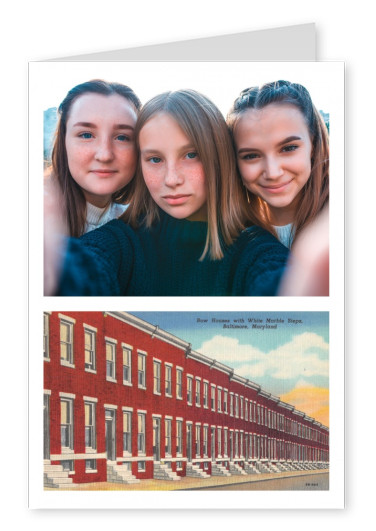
191 483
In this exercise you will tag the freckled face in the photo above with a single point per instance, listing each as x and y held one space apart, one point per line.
100 145
172 169
273 148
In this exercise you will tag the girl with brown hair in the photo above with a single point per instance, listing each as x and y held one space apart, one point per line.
282 150
94 156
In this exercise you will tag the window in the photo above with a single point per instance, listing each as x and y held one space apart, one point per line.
225 442
225 404
236 406
198 392
110 360
90 465
141 447
197 439
167 436
90 433
219 399
179 437
206 394
127 432
212 398
231 404
219 441
90 349
157 377
205 440
189 389
46 335
127 366
66 423
246 410
241 407
66 342
168 380
179 383
141 370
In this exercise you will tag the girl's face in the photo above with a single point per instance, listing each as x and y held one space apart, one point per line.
100 145
273 149
172 169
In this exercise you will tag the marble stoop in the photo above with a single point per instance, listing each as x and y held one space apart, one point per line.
54 476
263 467
237 470
120 474
219 470
283 467
251 469
194 471
274 468
164 472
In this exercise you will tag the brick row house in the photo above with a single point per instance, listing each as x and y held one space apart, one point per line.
126 401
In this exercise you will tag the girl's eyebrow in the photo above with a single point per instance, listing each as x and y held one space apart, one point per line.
289 139
156 150
281 143
93 126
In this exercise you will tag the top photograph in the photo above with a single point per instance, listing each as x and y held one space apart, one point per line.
186 179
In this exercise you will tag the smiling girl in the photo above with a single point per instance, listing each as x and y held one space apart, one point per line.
94 156
184 230
282 152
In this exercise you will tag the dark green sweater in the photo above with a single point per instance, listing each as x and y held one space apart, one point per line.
164 260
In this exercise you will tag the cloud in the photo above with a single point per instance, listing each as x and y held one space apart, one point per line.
299 358
314 401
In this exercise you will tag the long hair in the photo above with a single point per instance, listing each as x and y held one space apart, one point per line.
73 196
202 122
315 193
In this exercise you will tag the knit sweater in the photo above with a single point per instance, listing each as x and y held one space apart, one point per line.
164 260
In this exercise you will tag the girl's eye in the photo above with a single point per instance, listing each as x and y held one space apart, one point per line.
123 138
155 160
85 136
250 156
191 155
291 147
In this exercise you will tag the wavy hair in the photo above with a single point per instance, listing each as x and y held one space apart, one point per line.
315 193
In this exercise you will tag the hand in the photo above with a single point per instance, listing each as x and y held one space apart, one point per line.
55 233
308 269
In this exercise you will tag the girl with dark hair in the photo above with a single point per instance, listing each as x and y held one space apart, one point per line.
94 156
184 230
282 151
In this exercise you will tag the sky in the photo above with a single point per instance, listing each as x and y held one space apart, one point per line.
287 353
221 82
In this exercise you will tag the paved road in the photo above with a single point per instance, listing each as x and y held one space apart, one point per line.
308 482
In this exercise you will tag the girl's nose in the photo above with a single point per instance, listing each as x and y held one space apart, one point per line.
104 151
273 168
173 176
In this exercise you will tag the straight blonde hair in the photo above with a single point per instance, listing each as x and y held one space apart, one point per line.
202 122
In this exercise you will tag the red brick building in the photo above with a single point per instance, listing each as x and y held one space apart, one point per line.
126 401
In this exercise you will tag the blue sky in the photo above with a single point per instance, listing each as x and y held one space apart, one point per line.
293 354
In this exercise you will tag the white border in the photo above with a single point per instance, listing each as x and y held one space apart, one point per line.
45 77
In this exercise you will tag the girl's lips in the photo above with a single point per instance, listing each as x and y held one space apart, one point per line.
178 199
104 173
277 188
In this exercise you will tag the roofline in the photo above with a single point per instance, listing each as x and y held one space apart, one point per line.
155 331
